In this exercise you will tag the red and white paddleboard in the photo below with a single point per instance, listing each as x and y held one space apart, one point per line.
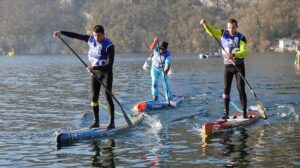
235 120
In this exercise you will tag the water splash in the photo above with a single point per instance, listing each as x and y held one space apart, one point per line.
197 129
153 122
287 112
198 96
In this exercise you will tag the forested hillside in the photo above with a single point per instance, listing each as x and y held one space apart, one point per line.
27 25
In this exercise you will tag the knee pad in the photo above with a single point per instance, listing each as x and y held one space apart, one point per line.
95 100
94 104
226 96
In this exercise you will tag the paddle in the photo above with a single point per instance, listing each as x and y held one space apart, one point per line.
259 105
105 107
108 91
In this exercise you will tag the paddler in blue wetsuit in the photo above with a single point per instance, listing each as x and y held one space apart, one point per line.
235 45
101 56
161 64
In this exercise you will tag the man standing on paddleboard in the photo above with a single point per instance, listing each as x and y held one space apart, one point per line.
161 64
101 56
234 51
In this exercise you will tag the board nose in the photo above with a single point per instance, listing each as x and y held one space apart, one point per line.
140 106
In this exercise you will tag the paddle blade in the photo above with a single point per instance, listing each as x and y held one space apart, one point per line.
146 65
262 112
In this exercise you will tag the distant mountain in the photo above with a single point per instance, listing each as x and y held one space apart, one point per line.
132 24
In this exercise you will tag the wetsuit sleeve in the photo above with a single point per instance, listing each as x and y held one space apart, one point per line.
215 31
75 35
110 61
152 46
243 49
155 50
167 63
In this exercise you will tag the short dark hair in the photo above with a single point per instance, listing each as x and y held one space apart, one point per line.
232 21
164 45
98 29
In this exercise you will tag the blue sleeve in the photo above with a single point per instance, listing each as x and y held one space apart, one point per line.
156 48
167 62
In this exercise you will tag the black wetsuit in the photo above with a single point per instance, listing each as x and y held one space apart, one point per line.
104 74
229 72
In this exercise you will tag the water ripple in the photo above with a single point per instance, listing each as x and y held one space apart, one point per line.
42 95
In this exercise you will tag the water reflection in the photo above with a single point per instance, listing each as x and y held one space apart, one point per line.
104 156
297 68
158 149
234 146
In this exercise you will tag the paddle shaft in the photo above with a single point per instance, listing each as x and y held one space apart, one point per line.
105 107
95 76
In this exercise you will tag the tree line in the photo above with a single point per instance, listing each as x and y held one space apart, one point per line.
27 26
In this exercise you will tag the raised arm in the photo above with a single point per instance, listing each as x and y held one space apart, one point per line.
152 46
210 29
72 35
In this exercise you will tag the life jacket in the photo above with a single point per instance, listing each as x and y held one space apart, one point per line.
231 44
156 60
98 51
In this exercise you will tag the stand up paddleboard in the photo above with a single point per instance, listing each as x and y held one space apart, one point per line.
87 133
235 120
149 105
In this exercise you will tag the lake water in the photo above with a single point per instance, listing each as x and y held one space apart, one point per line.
43 94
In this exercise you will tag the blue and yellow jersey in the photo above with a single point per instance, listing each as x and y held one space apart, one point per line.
236 44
